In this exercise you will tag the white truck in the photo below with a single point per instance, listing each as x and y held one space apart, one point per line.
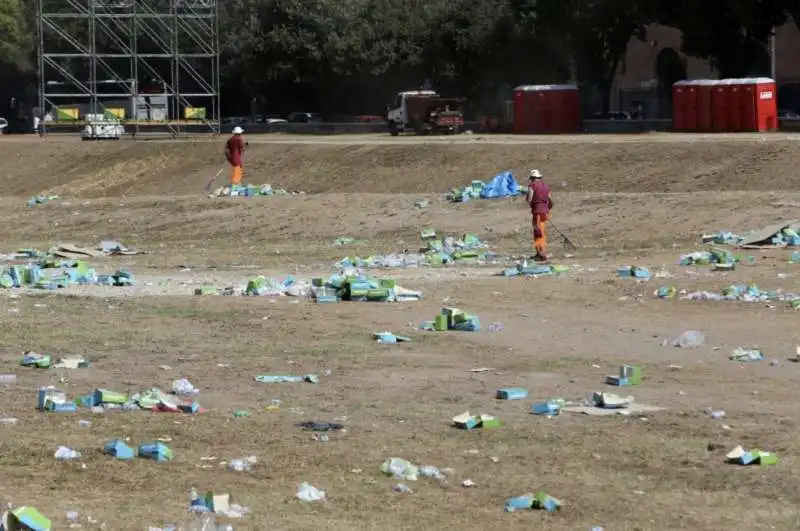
424 112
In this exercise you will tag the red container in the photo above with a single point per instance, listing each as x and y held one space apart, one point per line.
766 103
691 107
705 91
719 107
680 91
546 109
733 88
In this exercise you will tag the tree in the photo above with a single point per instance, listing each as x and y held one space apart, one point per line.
15 41
595 33
732 34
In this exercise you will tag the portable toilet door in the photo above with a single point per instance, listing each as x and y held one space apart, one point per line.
748 105
705 93
767 106
542 109
522 111
565 114
690 107
680 90
719 107
733 88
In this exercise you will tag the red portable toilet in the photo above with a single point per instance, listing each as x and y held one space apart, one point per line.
690 107
719 107
546 109
705 91
680 91
766 94
522 110
733 87
747 102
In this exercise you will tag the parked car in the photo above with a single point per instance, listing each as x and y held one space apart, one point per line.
304 118
3 124
272 119
788 115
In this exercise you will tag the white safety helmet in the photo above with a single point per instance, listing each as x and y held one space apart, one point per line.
238 130
535 174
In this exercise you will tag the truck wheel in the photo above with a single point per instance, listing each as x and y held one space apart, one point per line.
393 129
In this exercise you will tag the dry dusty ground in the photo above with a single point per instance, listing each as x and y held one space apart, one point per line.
622 203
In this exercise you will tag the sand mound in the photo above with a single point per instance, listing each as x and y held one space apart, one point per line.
66 166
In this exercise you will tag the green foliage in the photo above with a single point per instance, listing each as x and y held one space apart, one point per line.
15 39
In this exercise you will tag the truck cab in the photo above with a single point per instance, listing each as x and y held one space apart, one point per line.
424 111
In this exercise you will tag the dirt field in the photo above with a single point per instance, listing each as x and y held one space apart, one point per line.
623 202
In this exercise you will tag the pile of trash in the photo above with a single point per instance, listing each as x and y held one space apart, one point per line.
59 274
738 292
42 199
250 190
502 185
435 251
353 286
453 319
523 269
712 256
781 234
55 400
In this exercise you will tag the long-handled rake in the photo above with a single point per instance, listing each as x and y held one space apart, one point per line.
567 242
214 178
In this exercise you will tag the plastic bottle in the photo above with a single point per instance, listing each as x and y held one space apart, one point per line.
690 339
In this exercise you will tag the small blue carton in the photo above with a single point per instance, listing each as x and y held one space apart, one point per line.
546 408
119 450
512 393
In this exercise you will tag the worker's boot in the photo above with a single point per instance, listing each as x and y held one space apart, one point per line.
538 257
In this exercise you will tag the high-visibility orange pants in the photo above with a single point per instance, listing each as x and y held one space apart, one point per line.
540 233
236 175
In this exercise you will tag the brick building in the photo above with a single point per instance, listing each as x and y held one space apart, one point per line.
649 69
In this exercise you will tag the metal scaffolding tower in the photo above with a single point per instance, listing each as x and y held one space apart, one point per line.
109 54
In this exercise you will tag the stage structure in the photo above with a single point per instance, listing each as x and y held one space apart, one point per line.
144 62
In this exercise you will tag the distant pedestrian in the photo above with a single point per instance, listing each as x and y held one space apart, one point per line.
541 204
234 151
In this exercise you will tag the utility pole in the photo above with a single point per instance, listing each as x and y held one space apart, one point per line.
772 61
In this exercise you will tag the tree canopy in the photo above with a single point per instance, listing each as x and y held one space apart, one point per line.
352 55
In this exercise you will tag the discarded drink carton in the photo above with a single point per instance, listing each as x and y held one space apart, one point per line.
544 501
156 451
36 360
549 408
119 450
628 375
105 396
512 393
24 519
751 457
55 400
466 421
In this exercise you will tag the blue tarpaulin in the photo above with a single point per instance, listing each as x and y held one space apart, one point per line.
503 185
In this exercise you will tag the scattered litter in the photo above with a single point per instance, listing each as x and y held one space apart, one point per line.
277 378
64 453
402 488
341 242
751 457
549 408
634 272
452 319
156 451
467 483
36 360
183 387
605 404
502 185
465 421
743 355
400 469
24 518
435 251
541 500
320 426
308 493
745 293
778 235
690 339
713 256
361 289
487 369
211 502
73 362
628 375
421 203
388 338
535 270
118 449
244 464
41 199
512 393
251 190
722 238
